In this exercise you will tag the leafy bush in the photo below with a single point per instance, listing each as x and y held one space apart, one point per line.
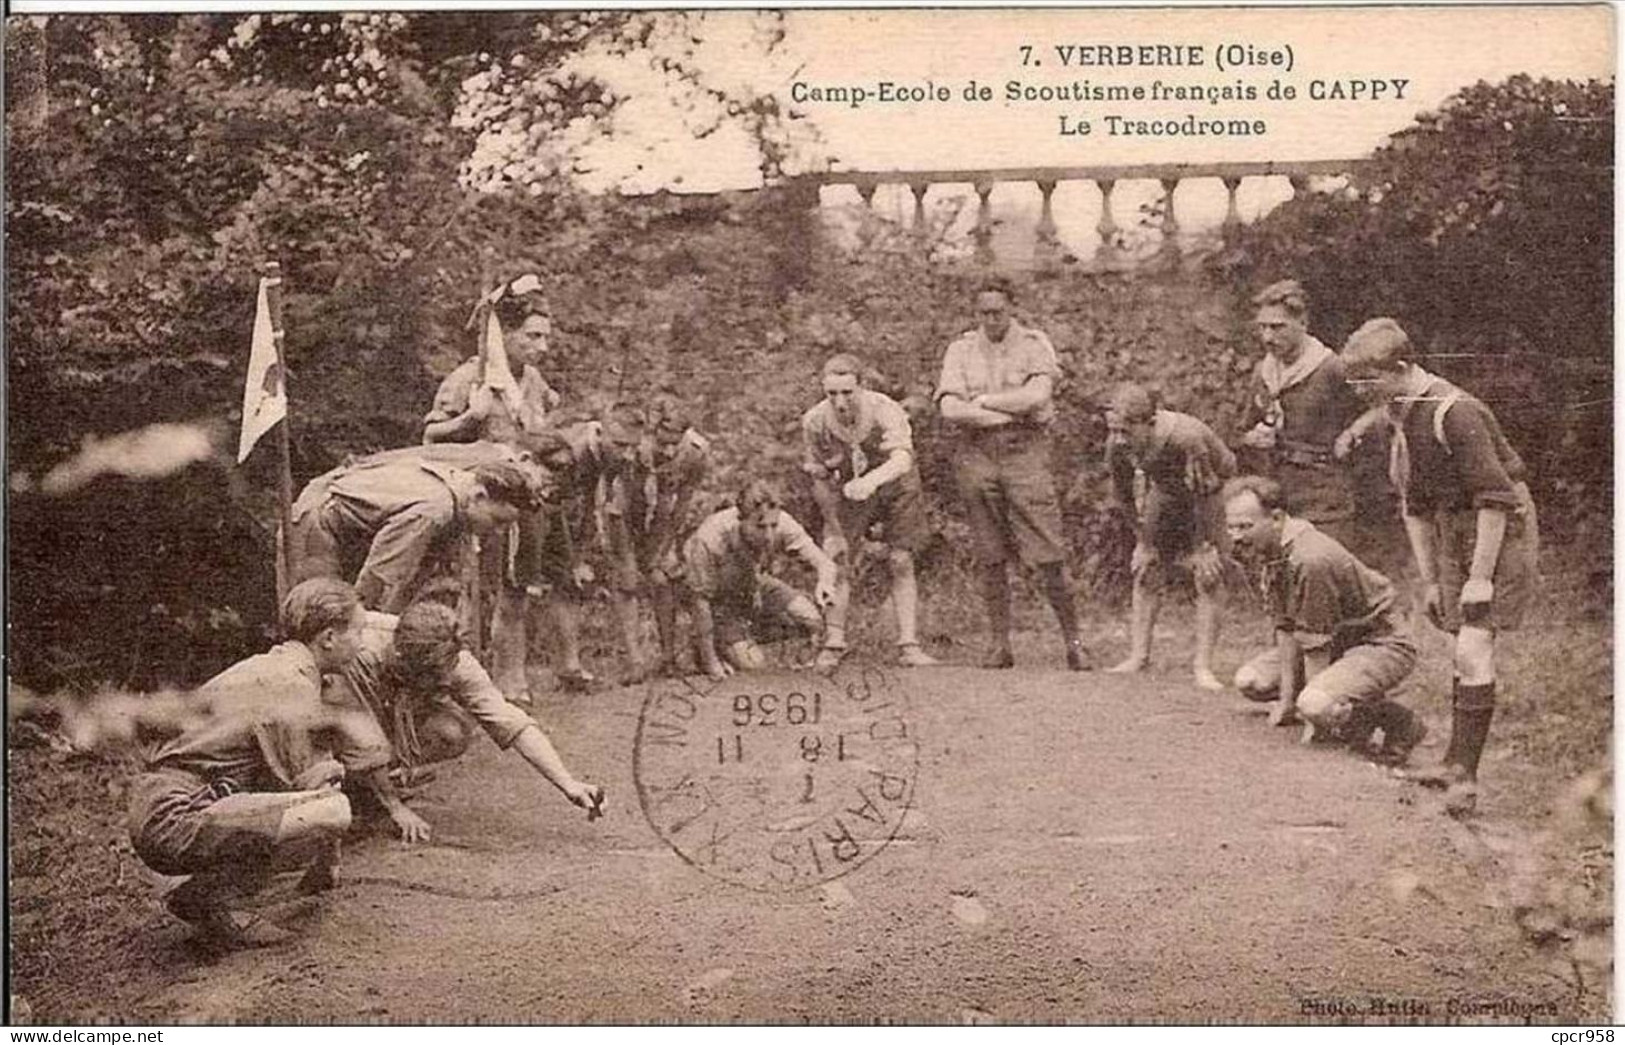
1487 230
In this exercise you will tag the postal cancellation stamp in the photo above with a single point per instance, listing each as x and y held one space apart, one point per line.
777 787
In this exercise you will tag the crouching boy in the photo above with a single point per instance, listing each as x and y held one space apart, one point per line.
731 591
249 789
413 677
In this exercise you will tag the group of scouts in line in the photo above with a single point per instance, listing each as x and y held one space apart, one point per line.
375 673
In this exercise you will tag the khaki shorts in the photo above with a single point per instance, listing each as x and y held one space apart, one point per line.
1367 672
897 510
1517 575
1009 494
179 825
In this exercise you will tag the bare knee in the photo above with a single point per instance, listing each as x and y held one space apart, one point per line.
1324 709
1475 655
1253 684
805 614
746 655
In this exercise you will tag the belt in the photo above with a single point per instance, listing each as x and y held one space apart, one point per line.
1304 454
1006 434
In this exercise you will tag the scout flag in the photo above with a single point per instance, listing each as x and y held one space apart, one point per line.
265 397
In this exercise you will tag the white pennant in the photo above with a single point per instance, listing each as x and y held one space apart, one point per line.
265 396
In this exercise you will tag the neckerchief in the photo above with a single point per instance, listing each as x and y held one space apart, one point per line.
1399 450
1276 574
853 435
1277 378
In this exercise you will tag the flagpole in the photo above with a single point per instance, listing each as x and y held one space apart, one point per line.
289 556
474 620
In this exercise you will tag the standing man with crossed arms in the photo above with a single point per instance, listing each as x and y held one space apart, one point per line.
858 449
997 392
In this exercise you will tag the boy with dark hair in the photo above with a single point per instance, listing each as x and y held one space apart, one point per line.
997 391
388 521
413 677
1300 405
656 463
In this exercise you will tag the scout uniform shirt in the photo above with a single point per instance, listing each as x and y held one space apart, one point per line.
720 568
410 510
1459 462
255 738
1184 468
880 429
1309 403
975 366
1323 596
468 691
643 501
519 410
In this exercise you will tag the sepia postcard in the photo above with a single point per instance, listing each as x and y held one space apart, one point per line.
1045 515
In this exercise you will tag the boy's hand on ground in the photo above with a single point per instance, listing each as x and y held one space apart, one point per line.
413 828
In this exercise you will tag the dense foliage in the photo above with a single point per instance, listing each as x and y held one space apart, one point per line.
155 161
1487 230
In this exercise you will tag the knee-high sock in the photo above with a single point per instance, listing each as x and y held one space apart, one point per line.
1207 629
1470 725
1059 594
665 607
996 594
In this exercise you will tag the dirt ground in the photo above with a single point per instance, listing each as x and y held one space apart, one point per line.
1081 848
